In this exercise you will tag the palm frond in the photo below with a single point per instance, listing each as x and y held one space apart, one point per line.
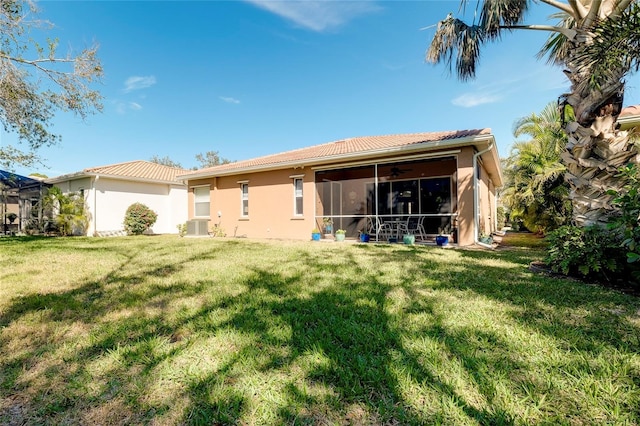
498 13
615 50
453 36
557 47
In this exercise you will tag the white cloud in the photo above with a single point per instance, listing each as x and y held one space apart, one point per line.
138 82
123 107
229 100
469 100
317 15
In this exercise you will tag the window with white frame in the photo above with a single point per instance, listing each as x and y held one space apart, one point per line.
244 189
297 196
201 201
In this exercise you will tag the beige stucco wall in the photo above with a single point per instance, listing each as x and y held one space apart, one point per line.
271 204
465 197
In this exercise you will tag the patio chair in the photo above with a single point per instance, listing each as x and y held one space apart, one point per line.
383 230
415 226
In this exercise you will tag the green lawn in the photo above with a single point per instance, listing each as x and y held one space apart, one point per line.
168 330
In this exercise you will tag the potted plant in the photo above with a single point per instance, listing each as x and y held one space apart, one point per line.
327 223
409 239
340 234
442 239
315 234
364 237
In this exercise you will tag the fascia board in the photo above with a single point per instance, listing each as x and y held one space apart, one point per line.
80 175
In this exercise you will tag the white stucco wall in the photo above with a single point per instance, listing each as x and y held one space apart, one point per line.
108 199
113 197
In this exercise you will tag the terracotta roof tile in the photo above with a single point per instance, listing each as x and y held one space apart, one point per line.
344 147
139 170
630 110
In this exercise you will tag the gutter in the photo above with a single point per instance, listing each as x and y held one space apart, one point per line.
476 207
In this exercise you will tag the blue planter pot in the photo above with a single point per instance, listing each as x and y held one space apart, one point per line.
442 240
316 236
364 238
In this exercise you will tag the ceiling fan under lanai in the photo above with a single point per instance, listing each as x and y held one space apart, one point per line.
397 171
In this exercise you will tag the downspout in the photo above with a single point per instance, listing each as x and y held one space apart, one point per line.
95 205
476 207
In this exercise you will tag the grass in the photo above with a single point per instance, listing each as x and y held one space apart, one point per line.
164 330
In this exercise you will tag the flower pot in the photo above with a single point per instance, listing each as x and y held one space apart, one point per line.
409 239
315 236
442 240
340 237
364 238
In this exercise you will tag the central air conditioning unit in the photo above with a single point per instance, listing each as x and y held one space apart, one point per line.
198 227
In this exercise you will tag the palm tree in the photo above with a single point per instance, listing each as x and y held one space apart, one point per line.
596 43
67 211
535 188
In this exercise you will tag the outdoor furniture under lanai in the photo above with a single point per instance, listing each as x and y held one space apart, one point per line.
382 230
415 226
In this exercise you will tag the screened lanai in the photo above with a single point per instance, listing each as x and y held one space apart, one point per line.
20 205
361 197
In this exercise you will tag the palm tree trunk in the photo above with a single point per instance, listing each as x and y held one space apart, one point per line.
596 148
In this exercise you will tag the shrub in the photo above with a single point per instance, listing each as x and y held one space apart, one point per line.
217 231
592 252
628 203
501 217
138 219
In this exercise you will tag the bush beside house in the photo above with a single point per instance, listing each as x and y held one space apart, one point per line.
138 219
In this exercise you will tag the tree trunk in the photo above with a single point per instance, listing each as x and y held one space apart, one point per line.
596 148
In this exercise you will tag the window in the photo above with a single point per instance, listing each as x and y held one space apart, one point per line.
201 201
244 189
297 196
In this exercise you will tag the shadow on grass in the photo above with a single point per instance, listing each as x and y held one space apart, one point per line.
329 317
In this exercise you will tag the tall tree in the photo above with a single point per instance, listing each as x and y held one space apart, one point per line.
165 161
583 42
210 159
535 190
35 81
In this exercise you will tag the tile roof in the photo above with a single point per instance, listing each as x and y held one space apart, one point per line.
134 170
630 110
139 170
344 147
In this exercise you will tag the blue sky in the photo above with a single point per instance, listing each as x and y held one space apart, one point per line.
250 78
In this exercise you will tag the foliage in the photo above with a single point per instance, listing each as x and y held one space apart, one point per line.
592 252
628 220
11 217
182 229
616 46
341 231
535 190
181 331
65 213
597 45
33 88
217 231
165 161
210 159
501 217
138 219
